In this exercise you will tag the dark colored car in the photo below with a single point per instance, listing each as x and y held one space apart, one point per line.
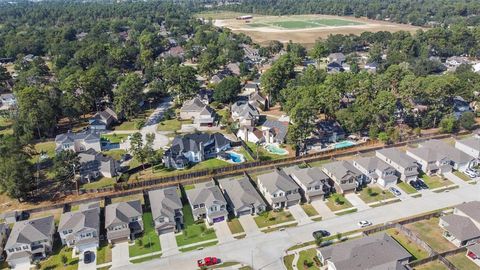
320 233
422 184
415 185
88 256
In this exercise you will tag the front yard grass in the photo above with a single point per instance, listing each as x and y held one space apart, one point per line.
104 253
374 194
435 181
431 233
54 261
193 232
306 260
407 188
149 242
115 153
201 246
462 176
288 261
435 265
461 261
270 218
146 259
309 210
172 125
115 138
417 251
338 202
101 183
235 226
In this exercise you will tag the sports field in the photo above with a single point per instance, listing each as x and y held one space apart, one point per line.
305 29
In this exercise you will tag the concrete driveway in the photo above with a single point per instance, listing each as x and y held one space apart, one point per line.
322 209
90 266
223 232
356 201
455 179
168 244
249 225
120 255
300 216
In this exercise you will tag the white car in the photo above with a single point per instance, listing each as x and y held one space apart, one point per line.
364 223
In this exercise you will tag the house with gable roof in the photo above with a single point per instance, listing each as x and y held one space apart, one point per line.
314 184
207 202
201 113
376 171
431 161
345 177
242 197
245 114
279 189
463 225
78 142
123 221
80 229
103 120
166 210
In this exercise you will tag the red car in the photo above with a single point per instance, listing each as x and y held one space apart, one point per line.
207 261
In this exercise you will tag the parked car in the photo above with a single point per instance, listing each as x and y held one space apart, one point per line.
364 223
470 174
395 191
208 261
88 256
422 184
415 185
320 233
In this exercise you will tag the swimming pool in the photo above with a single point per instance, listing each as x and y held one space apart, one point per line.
236 158
343 144
274 149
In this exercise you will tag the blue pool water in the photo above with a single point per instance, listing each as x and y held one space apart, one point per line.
275 149
236 158
343 144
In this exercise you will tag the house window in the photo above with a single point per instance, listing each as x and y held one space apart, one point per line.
309 188
202 205
195 206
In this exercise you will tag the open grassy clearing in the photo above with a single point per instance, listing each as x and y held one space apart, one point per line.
430 232
104 253
406 188
288 261
54 261
115 138
462 176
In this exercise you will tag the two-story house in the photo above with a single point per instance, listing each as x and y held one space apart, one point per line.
345 177
244 113
30 240
242 197
123 221
103 120
460 160
376 171
463 225
4 230
78 142
200 112
313 183
406 167
207 202
431 161
279 189
470 146
166 209
80 230
94 164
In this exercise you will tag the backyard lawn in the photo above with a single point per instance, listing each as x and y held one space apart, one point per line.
435 265
193 232
54 261
337 202
309 210
374 194
407 188
461 261
430 232
306 261
270 218
100 183
172 125
115 138
235 226
149 242
46 147
417 251
463 176
263 154
435 181
210 164
115 154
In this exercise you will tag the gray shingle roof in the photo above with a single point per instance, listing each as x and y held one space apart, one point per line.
342 169
379 251
193 105
373 163
244 110
398 157
307 176
121 213
280 128
206 193
71 137
461 227
277 180
472 142
443 148
241 192
472 209
427 154
79 220
28 231
164 202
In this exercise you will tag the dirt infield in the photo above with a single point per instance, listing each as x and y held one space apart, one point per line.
305 29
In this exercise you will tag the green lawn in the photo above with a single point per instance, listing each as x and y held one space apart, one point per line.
435 265
309 210
235 226
417 251
407 188
263 154
172 124
201 246
306 261
435 181
5 126
127 125
104 253
115 154
374 194
431 233
188 187
210 164
338 204
101 183
146 259
270 218
115 138
461 261
46 147
54 261
244 152
193 232
149 242
463 176
288 261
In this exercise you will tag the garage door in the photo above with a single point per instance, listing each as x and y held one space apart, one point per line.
119 240
218 219
162 231
290 203
242 213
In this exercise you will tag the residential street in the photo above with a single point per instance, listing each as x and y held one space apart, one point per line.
266 250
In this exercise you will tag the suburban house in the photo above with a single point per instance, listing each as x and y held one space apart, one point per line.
200 112
242 197
378 251
123 221
376 171
279 189
371 67
80 230
336 57
460 160
312 181
406 167
275 131
250 134
234 68
166 209
431 161
103 120
94 164
345 177
217 78
4 229
244 113
470 146
78 142
30 240
455 61
473 253
335 67
460 106
194 148
205 95
329 131
251 88
463 225
207 202
258 101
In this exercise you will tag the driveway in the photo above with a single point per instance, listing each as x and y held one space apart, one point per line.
249 225
322 209
223 232
120 255
300 216
455 179
90 266
168 244
356 201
